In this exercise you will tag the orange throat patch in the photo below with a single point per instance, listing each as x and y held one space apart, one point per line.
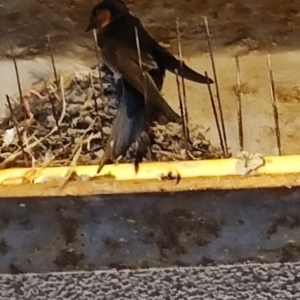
103 18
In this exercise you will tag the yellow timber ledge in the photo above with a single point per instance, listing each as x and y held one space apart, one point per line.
277 171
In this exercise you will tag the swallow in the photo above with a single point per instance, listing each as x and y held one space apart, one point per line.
141 86
118 43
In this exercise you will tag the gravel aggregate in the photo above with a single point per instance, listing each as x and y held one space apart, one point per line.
232 282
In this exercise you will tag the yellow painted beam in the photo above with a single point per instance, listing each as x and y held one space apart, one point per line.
275 165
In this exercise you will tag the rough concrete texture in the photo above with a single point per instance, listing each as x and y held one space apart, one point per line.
149 230
247 27
236 282
25 23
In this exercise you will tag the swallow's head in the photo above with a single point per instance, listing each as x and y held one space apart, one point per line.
105 12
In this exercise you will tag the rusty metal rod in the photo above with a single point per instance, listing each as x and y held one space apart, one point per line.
55 115
56 118
274 105
141 63
185 116
215 114
96 104
53 62
181 105
143 72
217 86
147 113
97 54
94 95
27 116
13 118
239 105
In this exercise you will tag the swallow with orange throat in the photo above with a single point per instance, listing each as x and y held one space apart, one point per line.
143 71
117 40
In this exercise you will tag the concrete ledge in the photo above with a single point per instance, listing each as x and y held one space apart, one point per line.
152 219
141 230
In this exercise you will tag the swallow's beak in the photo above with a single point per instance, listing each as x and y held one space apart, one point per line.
90 27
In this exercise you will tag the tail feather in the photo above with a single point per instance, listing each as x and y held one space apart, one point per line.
172 64
128 125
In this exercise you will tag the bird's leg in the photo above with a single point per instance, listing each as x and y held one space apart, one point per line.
140 147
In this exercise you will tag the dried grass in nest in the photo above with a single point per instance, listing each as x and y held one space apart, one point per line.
82 134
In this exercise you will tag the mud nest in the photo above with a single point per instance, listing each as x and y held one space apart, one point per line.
84 112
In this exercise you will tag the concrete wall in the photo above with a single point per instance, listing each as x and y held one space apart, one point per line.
149 230
25 23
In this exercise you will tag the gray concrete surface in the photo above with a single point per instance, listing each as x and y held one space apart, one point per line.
235 282
24 24
149 230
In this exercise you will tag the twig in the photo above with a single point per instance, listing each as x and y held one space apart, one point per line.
185 116
18 82
97 58
274 105
181 106
62 88
96 104
13 118
12 156
239 105
38 94
217 86
15 154
79 145
75 156
71 170
34 144
54 112
31 175
52 61
215 114
94 95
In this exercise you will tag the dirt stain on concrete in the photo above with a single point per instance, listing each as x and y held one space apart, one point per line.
177 230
